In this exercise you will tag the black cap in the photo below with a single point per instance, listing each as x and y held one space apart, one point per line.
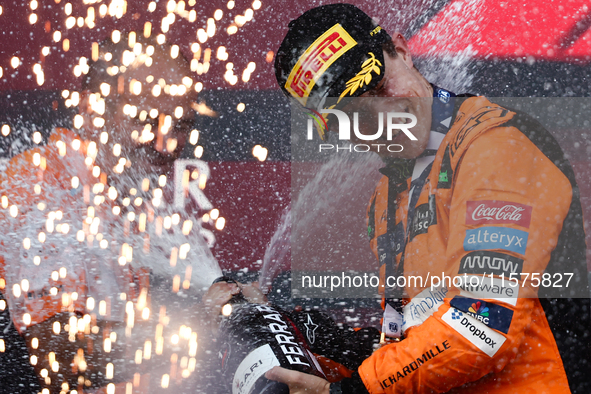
329 53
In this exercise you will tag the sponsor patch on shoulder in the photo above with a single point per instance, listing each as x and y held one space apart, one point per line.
492 237
392 322
422 306
443 96
495 316
425 216
484 338
488 262
498 212
499 289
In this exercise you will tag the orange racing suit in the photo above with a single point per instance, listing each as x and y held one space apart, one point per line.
497 201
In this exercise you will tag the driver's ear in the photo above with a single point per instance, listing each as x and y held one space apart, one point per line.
402 50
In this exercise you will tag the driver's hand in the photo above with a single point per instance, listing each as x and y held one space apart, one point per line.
253 293
298 382
218 295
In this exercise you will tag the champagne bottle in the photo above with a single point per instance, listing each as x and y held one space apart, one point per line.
255 338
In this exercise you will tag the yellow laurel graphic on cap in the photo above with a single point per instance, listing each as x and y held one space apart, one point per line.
363 77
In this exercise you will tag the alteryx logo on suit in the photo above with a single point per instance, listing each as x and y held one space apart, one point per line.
492 237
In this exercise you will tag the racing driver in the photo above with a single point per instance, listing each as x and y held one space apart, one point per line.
482 192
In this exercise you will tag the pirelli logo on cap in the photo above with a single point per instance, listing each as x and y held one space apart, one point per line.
316 60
